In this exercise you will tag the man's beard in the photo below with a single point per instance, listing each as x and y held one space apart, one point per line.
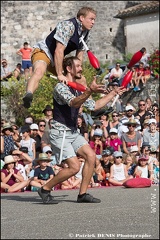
78 76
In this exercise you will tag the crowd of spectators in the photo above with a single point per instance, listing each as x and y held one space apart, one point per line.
126 145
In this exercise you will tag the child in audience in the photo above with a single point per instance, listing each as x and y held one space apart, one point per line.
118 171
113 140
144 170
43 173
130 162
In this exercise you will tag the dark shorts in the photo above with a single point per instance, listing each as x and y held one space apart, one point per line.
26 64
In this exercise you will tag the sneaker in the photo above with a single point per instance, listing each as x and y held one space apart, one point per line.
132 86
46 197
87 198
138 89
27 100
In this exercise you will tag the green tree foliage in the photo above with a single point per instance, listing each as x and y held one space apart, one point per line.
154 62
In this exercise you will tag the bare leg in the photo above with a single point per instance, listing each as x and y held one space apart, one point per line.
38 73
33 82
90 158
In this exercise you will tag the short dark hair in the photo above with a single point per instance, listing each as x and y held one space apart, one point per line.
25 43
68 62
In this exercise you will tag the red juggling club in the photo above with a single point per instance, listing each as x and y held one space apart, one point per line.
135 58
127 78
74 85
92 58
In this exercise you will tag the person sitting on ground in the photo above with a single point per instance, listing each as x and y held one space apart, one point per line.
106 163
116 72
43 173
11 178
6 71
144 170
130 162
8 141
18 72
118 171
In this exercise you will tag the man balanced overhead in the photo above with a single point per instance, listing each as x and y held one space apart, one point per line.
66 142
49 53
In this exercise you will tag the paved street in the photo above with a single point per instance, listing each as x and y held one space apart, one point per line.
122 214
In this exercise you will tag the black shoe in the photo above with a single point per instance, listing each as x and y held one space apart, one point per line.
46 197
87 198
27 100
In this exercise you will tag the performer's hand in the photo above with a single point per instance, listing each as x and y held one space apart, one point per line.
97 88
62 78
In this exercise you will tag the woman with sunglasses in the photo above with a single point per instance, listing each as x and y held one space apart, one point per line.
132 137
114 122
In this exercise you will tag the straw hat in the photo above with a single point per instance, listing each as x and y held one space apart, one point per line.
9 159
43 157
131 122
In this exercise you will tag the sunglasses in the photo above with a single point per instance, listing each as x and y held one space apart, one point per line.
119 157
42 125
130 110
49 152
129 125
142 104
115 116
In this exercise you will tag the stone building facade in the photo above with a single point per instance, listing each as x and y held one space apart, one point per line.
32 21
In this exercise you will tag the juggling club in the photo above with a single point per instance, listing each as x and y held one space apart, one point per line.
92 58
74 85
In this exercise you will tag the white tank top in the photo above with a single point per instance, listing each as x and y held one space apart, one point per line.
144 171
118 172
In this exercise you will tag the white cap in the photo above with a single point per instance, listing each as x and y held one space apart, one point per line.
129 107
34 126
46 149
152 120
134 148
113 130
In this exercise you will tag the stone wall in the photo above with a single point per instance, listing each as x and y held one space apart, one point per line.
32 21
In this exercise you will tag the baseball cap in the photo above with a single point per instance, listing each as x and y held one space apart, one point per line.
46 149
25 128
113 130
34 126
117 154
152 120
129 107
106 152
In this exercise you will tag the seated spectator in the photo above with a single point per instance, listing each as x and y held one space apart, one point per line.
138 76
116 72
11 178
34 134
6 71
118 171
113 140
114 122
18 72
132 137
16 135
49 152
152 135
43 173
130 162
146 76
96 142
106 162
28 142
8 138
149 103
21 155
143 169
48 115
82 127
